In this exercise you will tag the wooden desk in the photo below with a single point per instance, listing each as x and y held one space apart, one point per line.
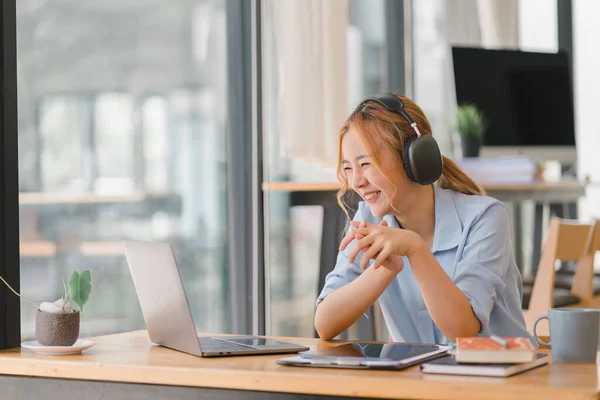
305 193
126 366
564 190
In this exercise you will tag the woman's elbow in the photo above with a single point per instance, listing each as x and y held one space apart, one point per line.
324 335
463 331
323 330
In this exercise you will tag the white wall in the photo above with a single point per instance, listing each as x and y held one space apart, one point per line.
586 31
538 28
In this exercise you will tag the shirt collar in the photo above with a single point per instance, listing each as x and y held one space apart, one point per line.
391 221
448 227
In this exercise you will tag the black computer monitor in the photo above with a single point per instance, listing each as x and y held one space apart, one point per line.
526 97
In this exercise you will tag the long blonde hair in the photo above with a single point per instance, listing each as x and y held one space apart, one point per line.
373 123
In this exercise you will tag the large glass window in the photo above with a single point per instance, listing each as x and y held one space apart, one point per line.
122 109
319 59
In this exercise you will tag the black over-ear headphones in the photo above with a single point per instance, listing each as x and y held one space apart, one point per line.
422 157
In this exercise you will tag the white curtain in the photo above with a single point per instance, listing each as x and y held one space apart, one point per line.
498 20
441 24
310 41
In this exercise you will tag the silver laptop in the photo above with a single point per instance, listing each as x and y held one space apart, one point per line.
167 312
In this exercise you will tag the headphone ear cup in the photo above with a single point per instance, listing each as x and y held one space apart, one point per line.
406 160
423 160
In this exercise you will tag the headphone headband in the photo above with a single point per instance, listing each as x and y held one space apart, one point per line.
422 158
393 103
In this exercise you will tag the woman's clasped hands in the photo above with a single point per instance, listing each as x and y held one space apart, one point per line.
381 243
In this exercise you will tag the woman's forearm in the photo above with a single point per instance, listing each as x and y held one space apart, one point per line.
341 308
449 307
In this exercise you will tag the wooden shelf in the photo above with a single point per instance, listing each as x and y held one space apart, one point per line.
37 248
334 186
77 198
89 249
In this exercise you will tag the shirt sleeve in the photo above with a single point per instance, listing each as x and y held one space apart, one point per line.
484 262
344 271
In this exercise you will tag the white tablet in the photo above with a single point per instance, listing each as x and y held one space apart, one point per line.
368 356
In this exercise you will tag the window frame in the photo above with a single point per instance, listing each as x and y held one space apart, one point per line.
10 310
245 206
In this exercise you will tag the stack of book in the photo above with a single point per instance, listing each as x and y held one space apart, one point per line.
487 357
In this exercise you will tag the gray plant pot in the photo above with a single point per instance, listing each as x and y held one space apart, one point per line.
56 329
470 147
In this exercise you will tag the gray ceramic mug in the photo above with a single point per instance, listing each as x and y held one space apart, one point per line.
573 333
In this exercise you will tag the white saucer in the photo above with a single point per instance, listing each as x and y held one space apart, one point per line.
76 348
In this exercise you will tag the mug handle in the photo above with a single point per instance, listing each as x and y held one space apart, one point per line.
540 341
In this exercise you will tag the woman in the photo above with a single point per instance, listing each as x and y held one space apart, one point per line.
437 256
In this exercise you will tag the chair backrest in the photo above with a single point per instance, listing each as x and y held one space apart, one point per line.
566 240
583 282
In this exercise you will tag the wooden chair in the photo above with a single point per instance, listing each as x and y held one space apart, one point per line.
584 279
566 241
565 276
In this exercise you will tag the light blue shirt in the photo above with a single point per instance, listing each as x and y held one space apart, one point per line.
472 243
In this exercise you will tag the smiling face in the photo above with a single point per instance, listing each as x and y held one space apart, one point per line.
380 181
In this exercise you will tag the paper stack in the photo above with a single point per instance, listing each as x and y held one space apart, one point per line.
517 169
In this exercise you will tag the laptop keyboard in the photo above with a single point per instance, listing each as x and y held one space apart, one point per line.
215 345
